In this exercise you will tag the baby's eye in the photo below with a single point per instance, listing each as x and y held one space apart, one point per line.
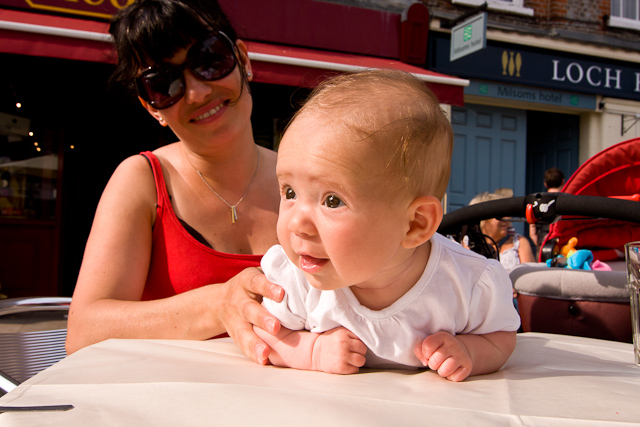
333 202
289 193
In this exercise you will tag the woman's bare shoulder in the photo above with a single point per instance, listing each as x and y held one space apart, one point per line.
133 178
140 166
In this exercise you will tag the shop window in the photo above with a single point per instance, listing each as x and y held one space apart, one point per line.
625 14
506 6
28 171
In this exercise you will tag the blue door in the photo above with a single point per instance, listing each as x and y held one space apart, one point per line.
489 152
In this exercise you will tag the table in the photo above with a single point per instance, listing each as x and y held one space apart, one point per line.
550 380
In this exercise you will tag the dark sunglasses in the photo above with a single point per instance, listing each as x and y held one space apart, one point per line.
210 59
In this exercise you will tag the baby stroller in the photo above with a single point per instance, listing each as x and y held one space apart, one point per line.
606 204
614 173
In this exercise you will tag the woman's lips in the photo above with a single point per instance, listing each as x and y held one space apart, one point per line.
309 264
209 113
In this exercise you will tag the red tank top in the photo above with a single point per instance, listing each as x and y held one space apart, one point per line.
179 262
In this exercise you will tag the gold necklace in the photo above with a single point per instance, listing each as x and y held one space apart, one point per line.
234 212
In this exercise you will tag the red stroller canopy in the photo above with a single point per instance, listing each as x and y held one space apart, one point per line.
613 172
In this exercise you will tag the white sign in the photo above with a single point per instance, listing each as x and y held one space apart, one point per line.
469 36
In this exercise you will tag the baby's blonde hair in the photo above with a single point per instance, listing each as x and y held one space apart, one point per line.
392 109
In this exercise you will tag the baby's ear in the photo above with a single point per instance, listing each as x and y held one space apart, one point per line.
425 216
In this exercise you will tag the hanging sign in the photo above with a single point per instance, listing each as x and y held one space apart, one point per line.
469 36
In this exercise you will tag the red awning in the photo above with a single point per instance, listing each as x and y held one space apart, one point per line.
84 40
34 34
293 66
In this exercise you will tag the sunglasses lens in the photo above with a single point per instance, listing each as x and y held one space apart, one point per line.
164 85
161 86
212 59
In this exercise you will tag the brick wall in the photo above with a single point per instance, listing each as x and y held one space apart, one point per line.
550 16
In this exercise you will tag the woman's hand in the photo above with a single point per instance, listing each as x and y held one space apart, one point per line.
242 309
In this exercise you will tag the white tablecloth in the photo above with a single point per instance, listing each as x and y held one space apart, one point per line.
550 380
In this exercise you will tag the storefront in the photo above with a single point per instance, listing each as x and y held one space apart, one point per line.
63 130
530 108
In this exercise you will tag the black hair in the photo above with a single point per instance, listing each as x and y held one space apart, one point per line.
554 178
148 32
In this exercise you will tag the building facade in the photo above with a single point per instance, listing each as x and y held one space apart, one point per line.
563 77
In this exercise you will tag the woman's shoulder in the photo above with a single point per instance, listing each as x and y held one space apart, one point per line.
132 170
166 153
133 167
523 241
139 165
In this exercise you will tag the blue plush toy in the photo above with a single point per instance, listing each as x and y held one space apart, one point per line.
580 259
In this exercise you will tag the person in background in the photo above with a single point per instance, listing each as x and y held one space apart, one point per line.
512 250
506 192
553 183
362 171
179 231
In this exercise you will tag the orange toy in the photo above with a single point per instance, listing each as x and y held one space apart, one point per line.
570 248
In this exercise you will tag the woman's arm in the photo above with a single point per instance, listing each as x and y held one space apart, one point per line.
106 301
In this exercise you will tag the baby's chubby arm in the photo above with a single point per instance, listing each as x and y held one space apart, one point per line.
460 356
337 351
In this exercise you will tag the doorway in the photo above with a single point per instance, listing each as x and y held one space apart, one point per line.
553 140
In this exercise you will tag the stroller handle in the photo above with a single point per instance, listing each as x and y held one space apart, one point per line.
555 204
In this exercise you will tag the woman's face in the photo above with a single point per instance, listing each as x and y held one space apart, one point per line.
495 228
210 115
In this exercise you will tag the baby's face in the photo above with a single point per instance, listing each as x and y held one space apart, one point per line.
339 221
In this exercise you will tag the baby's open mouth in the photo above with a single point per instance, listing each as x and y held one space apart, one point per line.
310 264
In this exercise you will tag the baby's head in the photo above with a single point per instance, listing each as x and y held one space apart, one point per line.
395 117
362 169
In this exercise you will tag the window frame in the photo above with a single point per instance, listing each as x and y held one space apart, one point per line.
507 6
623 22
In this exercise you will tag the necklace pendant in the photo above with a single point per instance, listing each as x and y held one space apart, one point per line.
234 215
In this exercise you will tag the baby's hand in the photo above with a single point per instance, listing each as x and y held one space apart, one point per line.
338 351
446 354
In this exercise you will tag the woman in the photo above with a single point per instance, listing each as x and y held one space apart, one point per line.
162 263
513 249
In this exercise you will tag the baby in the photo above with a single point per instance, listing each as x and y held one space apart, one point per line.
362 169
